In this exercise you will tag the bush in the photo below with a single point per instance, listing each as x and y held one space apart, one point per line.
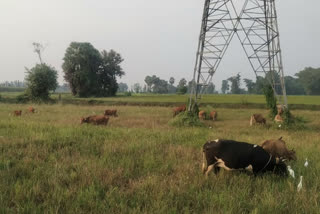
271 101
23 98
186 119
128 94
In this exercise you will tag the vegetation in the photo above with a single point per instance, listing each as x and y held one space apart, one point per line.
140 164
40 80
90 73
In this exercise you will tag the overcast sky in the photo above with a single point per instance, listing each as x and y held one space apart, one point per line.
154 37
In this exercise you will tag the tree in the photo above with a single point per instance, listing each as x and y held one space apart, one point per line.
310 80
38 48
137 88
225 86
122 87
40 80
210 89
235 84
148 81
171 81
90 73
293 86
251 86
109 70
182 86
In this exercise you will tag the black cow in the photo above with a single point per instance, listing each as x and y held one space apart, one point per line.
233 155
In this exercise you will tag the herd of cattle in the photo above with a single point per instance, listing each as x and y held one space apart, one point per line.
227 154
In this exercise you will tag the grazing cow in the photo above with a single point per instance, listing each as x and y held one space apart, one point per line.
278 119
17 113
213 115
202 115
280 109
31 109
112 112
257 119
178 110
278 148
233 155
96 120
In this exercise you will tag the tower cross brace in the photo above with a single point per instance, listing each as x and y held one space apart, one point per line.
256 27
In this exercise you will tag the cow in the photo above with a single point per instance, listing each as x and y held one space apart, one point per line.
278 148
278 119
96 120
233 155
17 113
112 112
179 109
202 115
213 115
280 109
257 119
31 109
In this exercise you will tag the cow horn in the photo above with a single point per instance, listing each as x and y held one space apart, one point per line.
280 138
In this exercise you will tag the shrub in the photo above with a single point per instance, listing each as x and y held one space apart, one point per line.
186 119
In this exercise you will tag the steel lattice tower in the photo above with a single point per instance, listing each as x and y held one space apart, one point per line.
256 27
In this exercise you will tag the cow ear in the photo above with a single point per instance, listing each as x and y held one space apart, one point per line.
280 138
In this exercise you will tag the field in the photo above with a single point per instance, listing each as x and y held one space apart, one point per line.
49 163
217 100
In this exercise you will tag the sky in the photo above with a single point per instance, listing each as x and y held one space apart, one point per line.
154 37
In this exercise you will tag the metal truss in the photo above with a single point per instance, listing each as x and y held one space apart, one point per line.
256 27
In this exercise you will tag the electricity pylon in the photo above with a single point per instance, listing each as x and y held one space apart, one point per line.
255 25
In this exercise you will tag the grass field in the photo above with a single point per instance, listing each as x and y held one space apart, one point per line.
300 102
49 163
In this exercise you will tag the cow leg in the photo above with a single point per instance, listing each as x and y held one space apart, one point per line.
210 168
204 163
216 170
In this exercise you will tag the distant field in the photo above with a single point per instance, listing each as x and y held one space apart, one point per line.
49 163
257 101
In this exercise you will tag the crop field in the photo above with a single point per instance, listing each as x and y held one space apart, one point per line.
49 163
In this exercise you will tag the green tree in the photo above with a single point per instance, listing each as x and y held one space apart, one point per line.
235 84
171 81
293 86
90 73
108 72
225 86
310 80
182 86
210 89
40 80
251 86
137 88
122 87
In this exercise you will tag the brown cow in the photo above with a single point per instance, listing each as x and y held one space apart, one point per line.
278 118
257 119
96 120
17 113
280 109
278 149
31 109
213 115
112 112
202 115
179 109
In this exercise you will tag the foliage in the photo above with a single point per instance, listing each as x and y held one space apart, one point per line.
40 80
127 94
235 84
122 87
90 73
225 86
186 119
156 85
182 86
293 86
310 80
271 101
251 86
210 89
171 81
137 88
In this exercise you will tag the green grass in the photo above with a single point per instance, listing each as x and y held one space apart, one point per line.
167 100
49 163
